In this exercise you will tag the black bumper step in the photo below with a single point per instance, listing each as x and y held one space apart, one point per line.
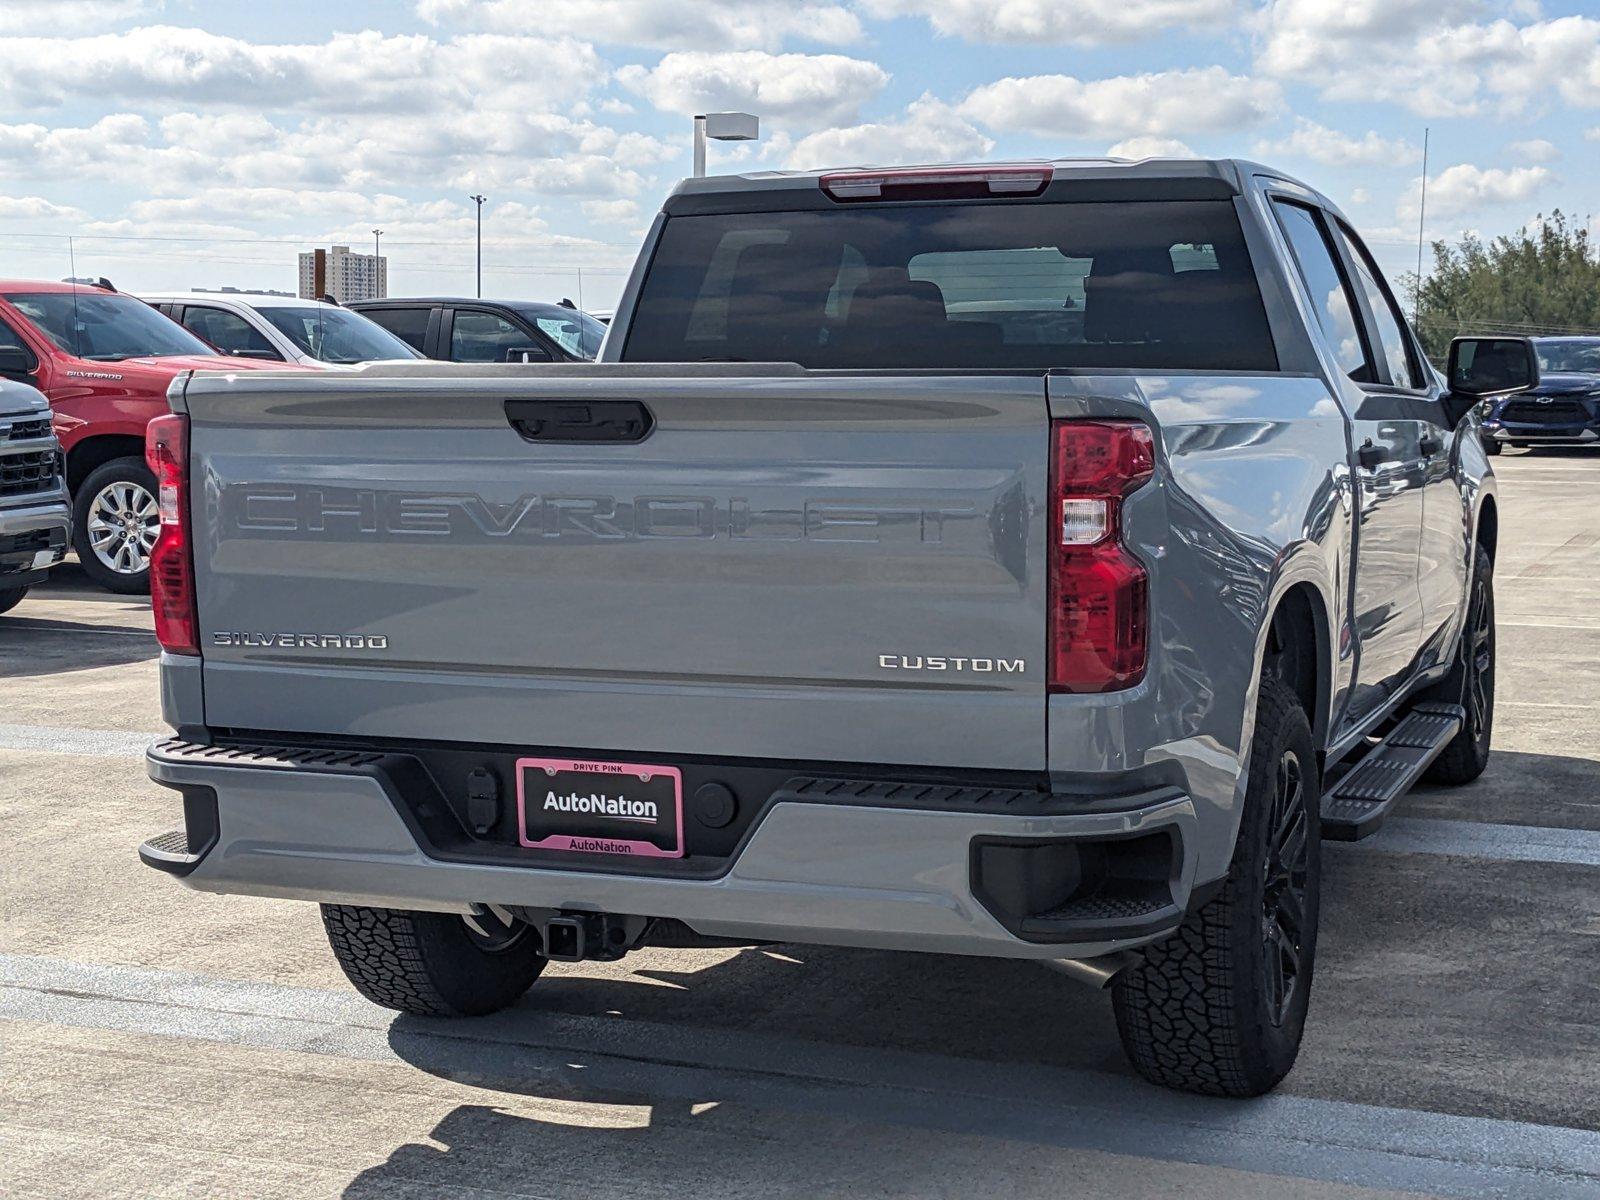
169 852
1355 806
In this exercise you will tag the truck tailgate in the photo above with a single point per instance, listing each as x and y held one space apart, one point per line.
791 565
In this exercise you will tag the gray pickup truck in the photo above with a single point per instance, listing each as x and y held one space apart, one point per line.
1028 561
34 513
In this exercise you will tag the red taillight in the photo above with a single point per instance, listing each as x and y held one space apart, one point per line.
1099 595
166 450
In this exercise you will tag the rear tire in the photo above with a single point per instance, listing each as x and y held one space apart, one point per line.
431 964
1470 684
11 597
1220 1007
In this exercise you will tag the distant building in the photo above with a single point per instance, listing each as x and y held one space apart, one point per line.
348 276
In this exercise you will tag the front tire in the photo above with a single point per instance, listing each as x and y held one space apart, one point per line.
115 520
11 597
1491 446
1220 1007
433 964
1470 684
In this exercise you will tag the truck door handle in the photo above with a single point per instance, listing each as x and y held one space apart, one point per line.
1432 443
580 420
1371 455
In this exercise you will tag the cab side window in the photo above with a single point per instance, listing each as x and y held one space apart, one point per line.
1389 337
485 337
410 325
228 332
1330 292
11 340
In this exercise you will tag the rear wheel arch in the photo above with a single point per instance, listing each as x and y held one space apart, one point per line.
1488 533
1298 651
94 452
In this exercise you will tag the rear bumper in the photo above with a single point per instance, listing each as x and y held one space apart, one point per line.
813 868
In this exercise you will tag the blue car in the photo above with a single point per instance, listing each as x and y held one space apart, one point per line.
1563 410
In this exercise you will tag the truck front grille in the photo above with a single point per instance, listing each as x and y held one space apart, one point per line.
1534 412
25 430
31 474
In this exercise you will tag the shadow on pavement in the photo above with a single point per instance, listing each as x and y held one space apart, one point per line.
1551 790
69 582
685 1148
978 1009
44 646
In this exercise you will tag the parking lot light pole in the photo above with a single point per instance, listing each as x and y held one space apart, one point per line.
479 199
721 127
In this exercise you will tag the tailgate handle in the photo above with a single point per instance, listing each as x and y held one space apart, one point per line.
580 420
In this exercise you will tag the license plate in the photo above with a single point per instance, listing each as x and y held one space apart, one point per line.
600 807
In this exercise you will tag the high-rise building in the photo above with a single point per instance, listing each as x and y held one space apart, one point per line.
347 276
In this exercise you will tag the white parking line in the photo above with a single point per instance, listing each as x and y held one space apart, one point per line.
1285 1136
1475 839
56 739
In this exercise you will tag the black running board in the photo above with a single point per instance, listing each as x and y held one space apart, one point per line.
1356 805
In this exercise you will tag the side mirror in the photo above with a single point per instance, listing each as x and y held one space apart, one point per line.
16 363
528 354
267 355
1483 368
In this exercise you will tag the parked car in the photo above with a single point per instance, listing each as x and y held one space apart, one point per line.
1563 409
34 514
493 331
313 333
816 614
104 360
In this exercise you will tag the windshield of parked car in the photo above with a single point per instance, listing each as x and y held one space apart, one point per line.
105 326
1156 284
577 333
1582 357
336 335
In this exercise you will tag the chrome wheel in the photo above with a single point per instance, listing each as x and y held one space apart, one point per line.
123 523
1283 925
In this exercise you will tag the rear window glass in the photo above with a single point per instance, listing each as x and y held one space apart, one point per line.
1159 285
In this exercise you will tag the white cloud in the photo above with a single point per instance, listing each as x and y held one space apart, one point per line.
816 89
184 151
1435 57
611 212
36 208
1029 22
1150 147
1157 105
1465 188
348 73
30 16
1536 150
1333 148
664 24
930 131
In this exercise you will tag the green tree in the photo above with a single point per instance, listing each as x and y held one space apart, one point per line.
1541 279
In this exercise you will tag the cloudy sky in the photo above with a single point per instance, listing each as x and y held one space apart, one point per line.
184 143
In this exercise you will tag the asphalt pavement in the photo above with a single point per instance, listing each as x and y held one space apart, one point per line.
158 1042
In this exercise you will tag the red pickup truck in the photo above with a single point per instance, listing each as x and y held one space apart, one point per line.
104 360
